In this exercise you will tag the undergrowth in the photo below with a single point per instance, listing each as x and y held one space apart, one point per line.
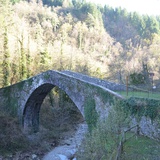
56 120
11 136
142 107
102 143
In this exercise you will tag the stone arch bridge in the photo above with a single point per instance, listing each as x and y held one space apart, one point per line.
24 99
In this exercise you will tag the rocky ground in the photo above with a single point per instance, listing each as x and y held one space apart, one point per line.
68 147
65 150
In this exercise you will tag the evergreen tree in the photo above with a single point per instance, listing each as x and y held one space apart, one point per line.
76 4
28 58
44 60
6 61
14 72
152 26
23 67
90 20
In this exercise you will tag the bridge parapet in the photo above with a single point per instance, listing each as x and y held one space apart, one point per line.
107 84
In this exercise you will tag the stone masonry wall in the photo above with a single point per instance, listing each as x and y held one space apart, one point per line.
25 98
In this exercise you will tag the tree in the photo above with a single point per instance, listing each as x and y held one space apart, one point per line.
6 60
90 8
90 20
116 64
152 26
136 78
55 22
77 4
80 30
5 23
28 58
44 60
22 66
53 2
64 33
146 76
14 1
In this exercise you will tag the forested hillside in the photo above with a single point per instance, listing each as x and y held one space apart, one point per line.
38 35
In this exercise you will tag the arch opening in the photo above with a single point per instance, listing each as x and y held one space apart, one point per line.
31 114
30 119
59 113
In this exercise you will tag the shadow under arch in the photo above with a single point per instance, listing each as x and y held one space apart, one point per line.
30 119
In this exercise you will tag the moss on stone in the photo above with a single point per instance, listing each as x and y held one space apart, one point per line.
11 103
143 107
91 115
47 76
30 81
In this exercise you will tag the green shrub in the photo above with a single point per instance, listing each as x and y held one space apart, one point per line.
137 78
142 107
102 142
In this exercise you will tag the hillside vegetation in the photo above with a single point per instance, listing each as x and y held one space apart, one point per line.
40 35
75 35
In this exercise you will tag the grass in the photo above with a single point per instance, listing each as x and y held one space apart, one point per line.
151 95
141 148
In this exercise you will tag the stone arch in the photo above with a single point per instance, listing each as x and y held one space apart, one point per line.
30 118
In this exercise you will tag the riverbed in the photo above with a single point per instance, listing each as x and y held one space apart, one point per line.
67 148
